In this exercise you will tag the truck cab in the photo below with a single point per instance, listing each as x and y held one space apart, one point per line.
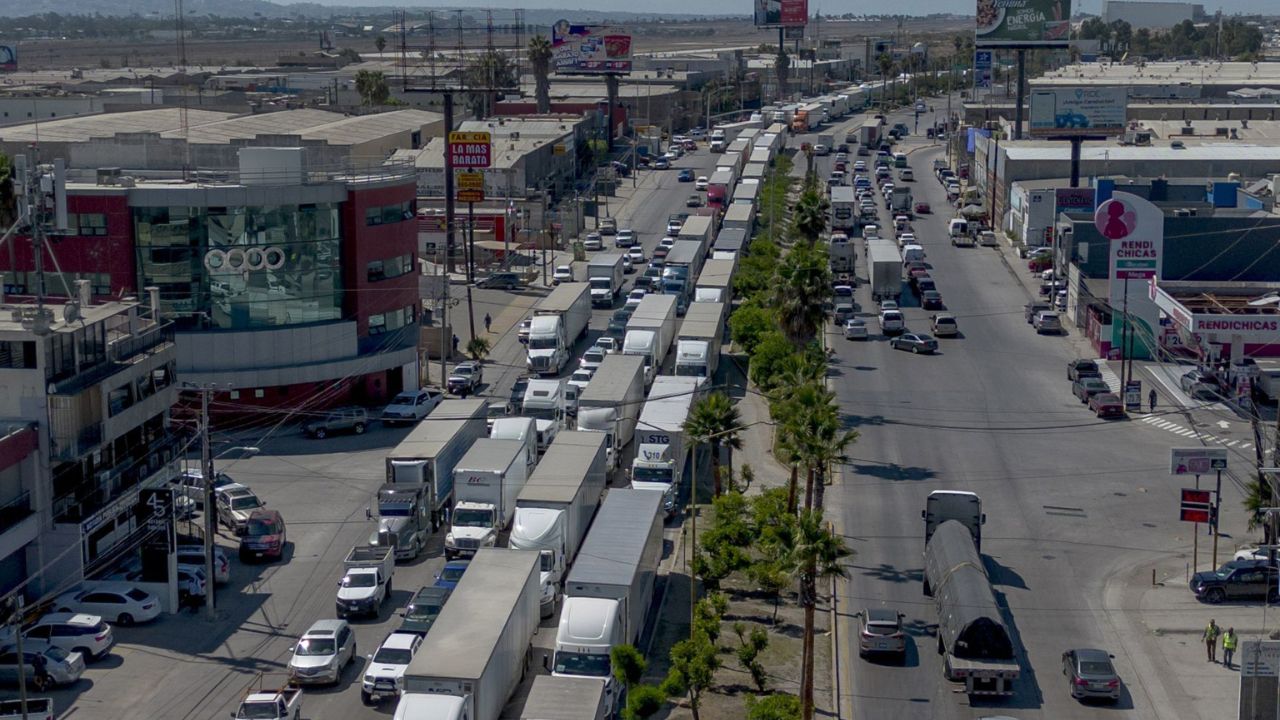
404 518
543 530
589 628
545 403
654 468
643 343
548 346
282 704
366 583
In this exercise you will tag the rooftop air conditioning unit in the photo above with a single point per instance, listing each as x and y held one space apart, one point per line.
1188 130
1220 131
515 135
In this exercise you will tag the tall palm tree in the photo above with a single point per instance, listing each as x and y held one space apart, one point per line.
885 63
539 54
810 218
826 446
810 552
782 68
714 420
803 283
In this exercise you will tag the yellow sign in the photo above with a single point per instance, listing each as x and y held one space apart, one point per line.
457 138
471 181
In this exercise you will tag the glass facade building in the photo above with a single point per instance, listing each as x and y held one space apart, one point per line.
245 267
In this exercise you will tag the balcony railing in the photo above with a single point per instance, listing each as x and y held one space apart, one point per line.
87 499
124 349
15 511
87 439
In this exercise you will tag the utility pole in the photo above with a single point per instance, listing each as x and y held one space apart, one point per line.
206 465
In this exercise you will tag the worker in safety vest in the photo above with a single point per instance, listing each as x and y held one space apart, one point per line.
1229 641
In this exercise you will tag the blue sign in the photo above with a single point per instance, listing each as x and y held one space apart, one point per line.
982 61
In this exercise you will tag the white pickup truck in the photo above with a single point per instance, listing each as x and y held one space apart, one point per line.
367 580
37 709
282 704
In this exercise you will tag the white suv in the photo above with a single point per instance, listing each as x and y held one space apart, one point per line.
384 675
74 632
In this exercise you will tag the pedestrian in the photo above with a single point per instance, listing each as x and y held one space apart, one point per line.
39 664
1211 640
1151 399
455 344
1229 641
487 322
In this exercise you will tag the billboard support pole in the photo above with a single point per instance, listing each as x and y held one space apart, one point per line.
1022 94
1076 142
471 266
449 216
1195 540
1217 520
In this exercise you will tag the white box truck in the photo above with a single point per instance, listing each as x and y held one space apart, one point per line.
699 340
487 480
715 283
610 587
555 508
682 266
886 268
650 331
731 242
840 252
844 208
523 430
604 275
611 403
478 650
421 468
558 320
663 453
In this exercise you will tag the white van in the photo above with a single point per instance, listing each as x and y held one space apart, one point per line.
913 253
958 226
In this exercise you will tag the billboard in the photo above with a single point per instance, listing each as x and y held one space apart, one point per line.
1196 461
8 58
775 13
982 60
590 49
1073 199
1078 111
1023 23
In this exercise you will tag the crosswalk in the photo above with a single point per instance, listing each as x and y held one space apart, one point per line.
1164 423
1109 376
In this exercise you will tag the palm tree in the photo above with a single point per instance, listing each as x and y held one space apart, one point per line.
810 218
782 68
539 54
811 553
826 446
803 283
885 63
799 373
372 87
714 419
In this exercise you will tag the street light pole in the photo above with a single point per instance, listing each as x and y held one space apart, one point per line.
206 468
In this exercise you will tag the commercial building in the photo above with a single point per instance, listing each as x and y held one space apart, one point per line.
1174 79
288 285
1150 15
85 392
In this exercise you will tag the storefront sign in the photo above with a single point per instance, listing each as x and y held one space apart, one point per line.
1196 460
470 186
1074 199
1135 228
469 149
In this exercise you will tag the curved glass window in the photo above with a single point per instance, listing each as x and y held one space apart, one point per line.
243 267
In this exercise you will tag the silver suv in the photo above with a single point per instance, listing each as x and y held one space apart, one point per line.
345 419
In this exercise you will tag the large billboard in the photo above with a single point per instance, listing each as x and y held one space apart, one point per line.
1078 111
1135 228
590 49
1023 23
775 13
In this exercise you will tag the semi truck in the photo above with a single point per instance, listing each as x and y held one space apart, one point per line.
698 342
477 652
681 268
844 208
699 228
760 155
900 201
730 241
740 215
886 268
488 480
610 587
555 508
523 430
650 331
611 403
604 275
721 182
421 470
567 698
545 402
745 193
828 141
663 453
559 319
366 580
715 282
841 253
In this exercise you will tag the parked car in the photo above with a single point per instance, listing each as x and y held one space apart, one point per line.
62 667
916 343
121 603
1091 675
855 329
1047 321
195 555
321 654
80 633
344 419
945 325
1031 309
384 675
1200 385
661 163
1106 405
190 484
608 226
880 632
234 504
264 536
421 612
451 573
500 281
1237 580
411 406
562 273
1086 387
686 175
465 377
1077 369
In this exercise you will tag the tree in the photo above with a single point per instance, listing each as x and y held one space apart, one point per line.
644 702
750 323
826 447
694 663
803 284
782 68
810 218
628 665
811 553
478 348
380 43
885 63
722 547
714 419
539 54
767 361
773 707
749 648
487 72
372 86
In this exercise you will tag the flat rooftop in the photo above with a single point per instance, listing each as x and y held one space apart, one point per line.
106 125
1226 298
1164 73
1195 151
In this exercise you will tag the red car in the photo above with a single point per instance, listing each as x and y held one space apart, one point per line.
1106 405
264 537
1040 263
690 145
922 207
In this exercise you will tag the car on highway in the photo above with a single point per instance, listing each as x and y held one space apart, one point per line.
234 504
628 266
522 330
1200 385
1106 405
916 269
1237 580
86 634
451 573
352 419
859 166
608 226
690 145
820 149
562 273
1047 321
411 406
650 275
905 175
945 325
880 633
888 305
500 281
892 322
625 238
608 345
384 675
634 298
674 223
922 208
617 327
1086 387
915 342
581 377
593 242
675 150
1084 367
121 603
636 255
465 377
931 300
701 183
592 358
323 651
686 175
659 254
1090 675
693 201
855 329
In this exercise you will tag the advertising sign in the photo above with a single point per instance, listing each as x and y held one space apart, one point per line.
1023 23
590 49
1078 112
1073 199
8 58
1133 396
1195 506
1135 228
772 13
793 32
469 185
982 60
1197 461
469 149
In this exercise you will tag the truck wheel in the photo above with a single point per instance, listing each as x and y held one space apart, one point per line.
366 698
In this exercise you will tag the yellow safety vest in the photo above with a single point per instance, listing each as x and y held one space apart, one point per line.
1229 641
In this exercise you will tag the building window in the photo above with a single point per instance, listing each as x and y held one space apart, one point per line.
259 393
18 355
390 268
376 271
377 324
389 214
87 224
373 216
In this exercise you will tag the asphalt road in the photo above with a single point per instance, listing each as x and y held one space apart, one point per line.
187 667
1065 494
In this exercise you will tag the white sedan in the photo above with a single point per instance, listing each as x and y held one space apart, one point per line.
635 297
636 255
122 603
563 273
701 183
581 377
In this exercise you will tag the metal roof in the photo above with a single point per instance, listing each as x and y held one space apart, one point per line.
1214 151
310 124
105 125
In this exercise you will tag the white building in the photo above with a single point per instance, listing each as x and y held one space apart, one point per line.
1151 15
